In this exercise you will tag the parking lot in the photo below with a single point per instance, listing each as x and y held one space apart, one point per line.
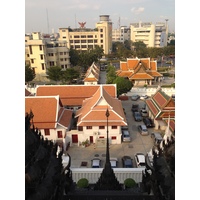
138 144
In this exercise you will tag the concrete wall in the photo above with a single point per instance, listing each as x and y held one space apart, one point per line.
93 174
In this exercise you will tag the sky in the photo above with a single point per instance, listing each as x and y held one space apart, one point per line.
50 15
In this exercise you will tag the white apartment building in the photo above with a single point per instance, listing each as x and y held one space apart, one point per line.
43 51
86 38
121 34
153 35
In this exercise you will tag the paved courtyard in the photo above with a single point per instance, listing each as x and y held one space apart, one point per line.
138 143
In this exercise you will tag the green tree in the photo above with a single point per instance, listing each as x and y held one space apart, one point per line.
74 56
124 85
140 49
29 74
54 73
69 74
111 74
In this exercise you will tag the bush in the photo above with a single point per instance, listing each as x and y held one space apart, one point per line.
129 183
82 183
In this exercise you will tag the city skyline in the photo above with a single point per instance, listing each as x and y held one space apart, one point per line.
48 16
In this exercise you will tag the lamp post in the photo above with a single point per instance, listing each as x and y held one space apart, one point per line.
107 179
107 145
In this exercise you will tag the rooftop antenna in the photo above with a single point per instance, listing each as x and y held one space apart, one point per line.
119 23
75 20
47 21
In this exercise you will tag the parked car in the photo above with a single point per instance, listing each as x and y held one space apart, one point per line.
140 160
135 97
157 137
137 116
96 163
127 162
114 162
143 129
143 97
148 122
144 113
126 136
135 107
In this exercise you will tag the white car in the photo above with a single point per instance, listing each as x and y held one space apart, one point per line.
140 160
143 97
144 113
96 163
113 162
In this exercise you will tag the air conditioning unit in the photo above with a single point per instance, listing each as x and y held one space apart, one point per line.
95 133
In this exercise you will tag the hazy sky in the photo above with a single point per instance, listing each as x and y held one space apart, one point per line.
41 15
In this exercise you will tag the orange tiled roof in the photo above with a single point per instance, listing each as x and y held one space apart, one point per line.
161 105
132 63
141 76
153 65
123 66
65 117
135 68
94 109
125 74
145 62
73 95
44 117
155 74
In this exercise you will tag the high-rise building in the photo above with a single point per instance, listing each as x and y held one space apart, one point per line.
43 51
153 35
121 34
83 38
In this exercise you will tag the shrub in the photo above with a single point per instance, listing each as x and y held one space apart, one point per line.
129 183
82 183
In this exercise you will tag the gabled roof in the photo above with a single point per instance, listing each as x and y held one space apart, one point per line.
73 95
93 110
27 93
48 111
92 74
161 105
137 69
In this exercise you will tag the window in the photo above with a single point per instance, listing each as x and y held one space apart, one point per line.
101 30
61 59
63 30
59 133
40 47
61 53
83 36
76 36
101 35
80 128
88 127
114 127
51 63
101 41
30 49
32 60
41 57
42 66
46 132
113 138
90 36
64 37
101 127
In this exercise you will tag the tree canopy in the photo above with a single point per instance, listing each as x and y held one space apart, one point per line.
29 73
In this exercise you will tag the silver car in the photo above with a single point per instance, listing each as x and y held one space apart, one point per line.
143 129
126 136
